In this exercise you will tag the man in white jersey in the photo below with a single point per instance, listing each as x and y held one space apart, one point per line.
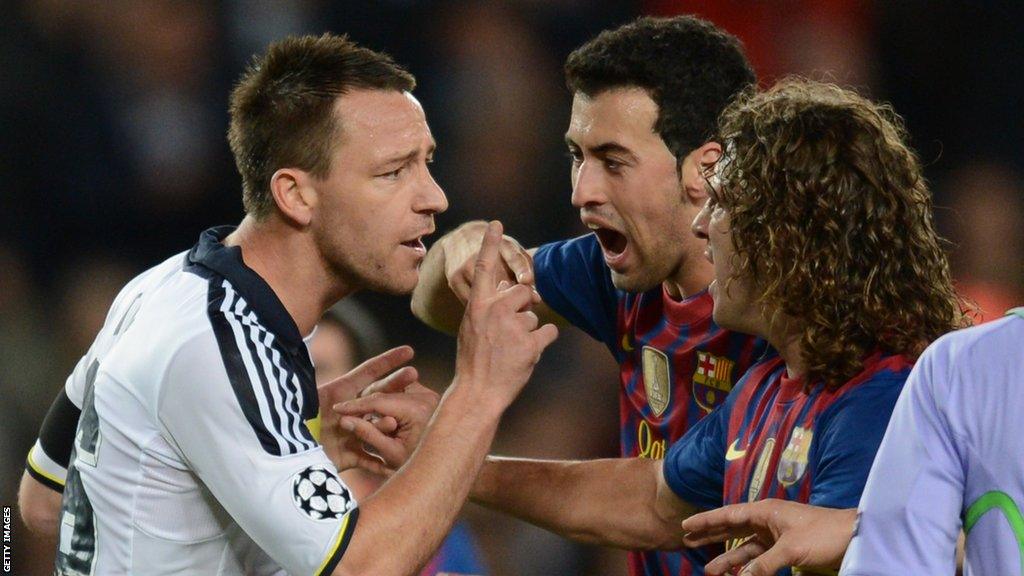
950 461
191 454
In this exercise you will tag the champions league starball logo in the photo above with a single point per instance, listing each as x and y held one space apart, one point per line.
319 494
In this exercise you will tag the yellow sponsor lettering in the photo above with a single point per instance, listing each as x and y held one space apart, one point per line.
736 542
646 443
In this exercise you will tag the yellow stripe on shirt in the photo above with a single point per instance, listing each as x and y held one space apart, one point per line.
334 547
39 469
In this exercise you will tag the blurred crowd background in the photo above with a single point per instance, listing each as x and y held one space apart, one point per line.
113 156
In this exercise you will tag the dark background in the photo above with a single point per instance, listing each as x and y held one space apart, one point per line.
113 156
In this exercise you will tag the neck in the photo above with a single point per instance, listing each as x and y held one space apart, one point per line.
692 276
277 252
785 338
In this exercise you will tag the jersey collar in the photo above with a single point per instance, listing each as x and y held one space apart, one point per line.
227 261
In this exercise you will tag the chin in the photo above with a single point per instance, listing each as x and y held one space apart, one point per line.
633 282
728 319
395 284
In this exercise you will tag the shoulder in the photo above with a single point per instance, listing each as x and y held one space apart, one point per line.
971 372
579 251
756 381
770 363
979 345
869 398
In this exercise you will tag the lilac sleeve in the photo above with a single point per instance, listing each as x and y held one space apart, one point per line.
909 515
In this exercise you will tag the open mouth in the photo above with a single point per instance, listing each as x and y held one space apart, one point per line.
415 244
612 242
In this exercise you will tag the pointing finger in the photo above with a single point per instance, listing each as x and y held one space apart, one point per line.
375 368
487 262
397 381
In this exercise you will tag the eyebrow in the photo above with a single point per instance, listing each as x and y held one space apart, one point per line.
407 157
604 149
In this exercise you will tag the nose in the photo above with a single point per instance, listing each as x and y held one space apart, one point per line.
431 199
588 186
699 226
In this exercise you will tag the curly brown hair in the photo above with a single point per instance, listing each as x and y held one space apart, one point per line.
832 221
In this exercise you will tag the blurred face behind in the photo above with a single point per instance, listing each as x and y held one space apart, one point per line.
379 199
332 351
627 188
735 306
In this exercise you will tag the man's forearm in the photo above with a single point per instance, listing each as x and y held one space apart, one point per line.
39 506
410 515
611 502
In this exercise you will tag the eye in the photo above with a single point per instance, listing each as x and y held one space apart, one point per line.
612 165
393 175
575 156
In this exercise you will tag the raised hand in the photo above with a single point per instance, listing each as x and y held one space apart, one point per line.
778 534
499 339
409 406
386 371
462 251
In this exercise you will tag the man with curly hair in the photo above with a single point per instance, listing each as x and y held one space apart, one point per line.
819 228
820 232
941 468
645 100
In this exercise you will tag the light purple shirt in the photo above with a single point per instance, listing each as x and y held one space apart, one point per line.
952 458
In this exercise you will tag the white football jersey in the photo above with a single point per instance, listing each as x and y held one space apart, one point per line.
191 455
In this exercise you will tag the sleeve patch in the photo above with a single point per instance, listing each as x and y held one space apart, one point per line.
318 493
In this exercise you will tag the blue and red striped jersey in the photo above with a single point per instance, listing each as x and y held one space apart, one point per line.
676 364
776 438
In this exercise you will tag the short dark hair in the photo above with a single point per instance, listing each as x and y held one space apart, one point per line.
281 109
690 68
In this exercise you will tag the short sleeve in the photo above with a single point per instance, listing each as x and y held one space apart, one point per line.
695 464
48 459
913 498
292 504
574 281
848 437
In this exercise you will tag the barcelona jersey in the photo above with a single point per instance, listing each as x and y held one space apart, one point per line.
676 364
775 437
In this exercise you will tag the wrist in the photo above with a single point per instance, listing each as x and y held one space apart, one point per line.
477 398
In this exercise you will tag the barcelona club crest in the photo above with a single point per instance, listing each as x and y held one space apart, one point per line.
712 380
657 380
794 458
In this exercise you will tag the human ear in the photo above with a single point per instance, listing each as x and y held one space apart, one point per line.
294 195
697 165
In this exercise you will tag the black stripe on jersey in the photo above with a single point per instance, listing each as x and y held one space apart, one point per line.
279 379
56 487
57 435
264 379
238 374
288 382
335 558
